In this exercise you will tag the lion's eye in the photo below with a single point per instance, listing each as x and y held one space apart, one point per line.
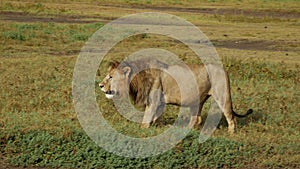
110 77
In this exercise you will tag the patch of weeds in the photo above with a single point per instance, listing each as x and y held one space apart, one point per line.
145 35
22 32
45 38
18 35
39 148
80 37
93 26
28 27
83 33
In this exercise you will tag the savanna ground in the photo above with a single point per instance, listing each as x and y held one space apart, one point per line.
258 42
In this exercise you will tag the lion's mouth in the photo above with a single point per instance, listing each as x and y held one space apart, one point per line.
110 94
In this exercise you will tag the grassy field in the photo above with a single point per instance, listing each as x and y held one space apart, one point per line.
258 42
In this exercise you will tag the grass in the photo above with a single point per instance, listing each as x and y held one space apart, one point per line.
37 38
77 151
39 126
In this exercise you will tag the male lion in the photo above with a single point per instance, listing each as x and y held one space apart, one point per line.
152 87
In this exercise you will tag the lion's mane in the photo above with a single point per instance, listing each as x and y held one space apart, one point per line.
142 76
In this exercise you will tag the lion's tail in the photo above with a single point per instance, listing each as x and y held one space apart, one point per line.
244 115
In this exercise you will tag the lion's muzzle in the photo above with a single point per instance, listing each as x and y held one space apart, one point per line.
110 94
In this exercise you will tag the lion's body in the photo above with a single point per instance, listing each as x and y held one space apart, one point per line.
154 84
172 94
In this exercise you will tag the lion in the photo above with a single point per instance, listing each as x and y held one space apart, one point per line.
153 86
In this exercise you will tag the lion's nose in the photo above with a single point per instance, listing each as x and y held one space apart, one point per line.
101 85
110 92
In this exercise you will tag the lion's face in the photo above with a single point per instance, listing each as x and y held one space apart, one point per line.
105 85
115 82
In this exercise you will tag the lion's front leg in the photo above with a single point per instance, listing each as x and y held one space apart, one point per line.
195 119
148 116
151 109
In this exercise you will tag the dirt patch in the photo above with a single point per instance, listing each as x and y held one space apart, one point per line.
242 44
245 44
24 17
219 11
63 53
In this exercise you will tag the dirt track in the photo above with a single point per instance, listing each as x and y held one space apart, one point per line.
219 11
24 17
242 44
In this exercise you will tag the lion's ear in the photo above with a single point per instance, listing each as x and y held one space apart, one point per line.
126 71
113 64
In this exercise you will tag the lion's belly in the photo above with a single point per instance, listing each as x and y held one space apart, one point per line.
180 85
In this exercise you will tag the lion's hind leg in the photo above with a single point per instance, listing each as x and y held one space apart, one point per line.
221 94
224 103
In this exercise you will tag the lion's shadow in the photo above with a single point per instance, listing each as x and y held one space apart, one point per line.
256 117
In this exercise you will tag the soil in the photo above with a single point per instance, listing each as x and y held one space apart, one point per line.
220 11
245 44
242 44
25 17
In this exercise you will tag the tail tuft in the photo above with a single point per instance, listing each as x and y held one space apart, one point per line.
244 115
249 111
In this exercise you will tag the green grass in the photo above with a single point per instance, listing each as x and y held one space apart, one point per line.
44 38
78 151
39 127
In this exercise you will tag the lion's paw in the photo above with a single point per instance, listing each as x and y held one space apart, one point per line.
145 125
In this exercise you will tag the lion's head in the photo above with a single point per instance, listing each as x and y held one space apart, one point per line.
132 79
115 82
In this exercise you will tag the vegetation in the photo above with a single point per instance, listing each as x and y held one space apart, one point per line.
39 126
